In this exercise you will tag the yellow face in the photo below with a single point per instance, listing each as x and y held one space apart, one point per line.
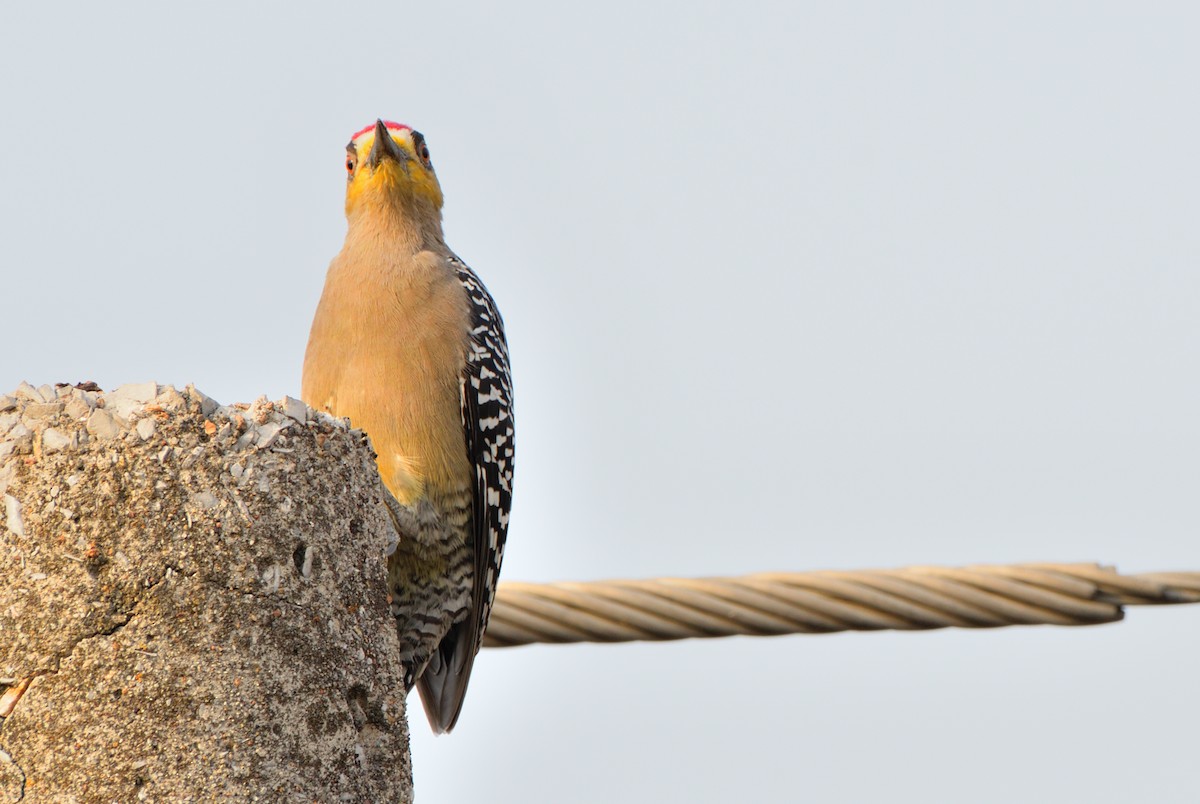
389 162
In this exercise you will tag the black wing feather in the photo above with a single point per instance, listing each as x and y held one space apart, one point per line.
486 405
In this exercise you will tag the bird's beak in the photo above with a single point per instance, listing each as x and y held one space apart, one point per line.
384 147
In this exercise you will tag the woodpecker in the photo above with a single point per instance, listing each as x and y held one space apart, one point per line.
408 344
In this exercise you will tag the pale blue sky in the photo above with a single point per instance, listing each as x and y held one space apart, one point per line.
788 286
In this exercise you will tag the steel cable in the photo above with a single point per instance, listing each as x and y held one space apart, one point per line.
772 603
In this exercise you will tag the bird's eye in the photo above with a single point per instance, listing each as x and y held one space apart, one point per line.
349 165
425 153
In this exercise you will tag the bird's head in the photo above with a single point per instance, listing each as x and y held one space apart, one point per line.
387 165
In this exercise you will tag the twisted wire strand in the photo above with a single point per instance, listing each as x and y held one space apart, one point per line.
771 603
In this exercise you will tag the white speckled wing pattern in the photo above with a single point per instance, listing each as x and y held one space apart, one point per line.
486 395
485 404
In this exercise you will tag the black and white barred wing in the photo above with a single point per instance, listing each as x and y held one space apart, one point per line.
488 424
485 390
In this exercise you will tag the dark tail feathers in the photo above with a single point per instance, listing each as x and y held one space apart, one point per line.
443 685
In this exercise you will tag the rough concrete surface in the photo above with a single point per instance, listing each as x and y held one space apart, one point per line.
193 603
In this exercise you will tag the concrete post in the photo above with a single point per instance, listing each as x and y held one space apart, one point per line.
193 603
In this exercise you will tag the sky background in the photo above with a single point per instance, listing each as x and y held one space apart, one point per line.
787 286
